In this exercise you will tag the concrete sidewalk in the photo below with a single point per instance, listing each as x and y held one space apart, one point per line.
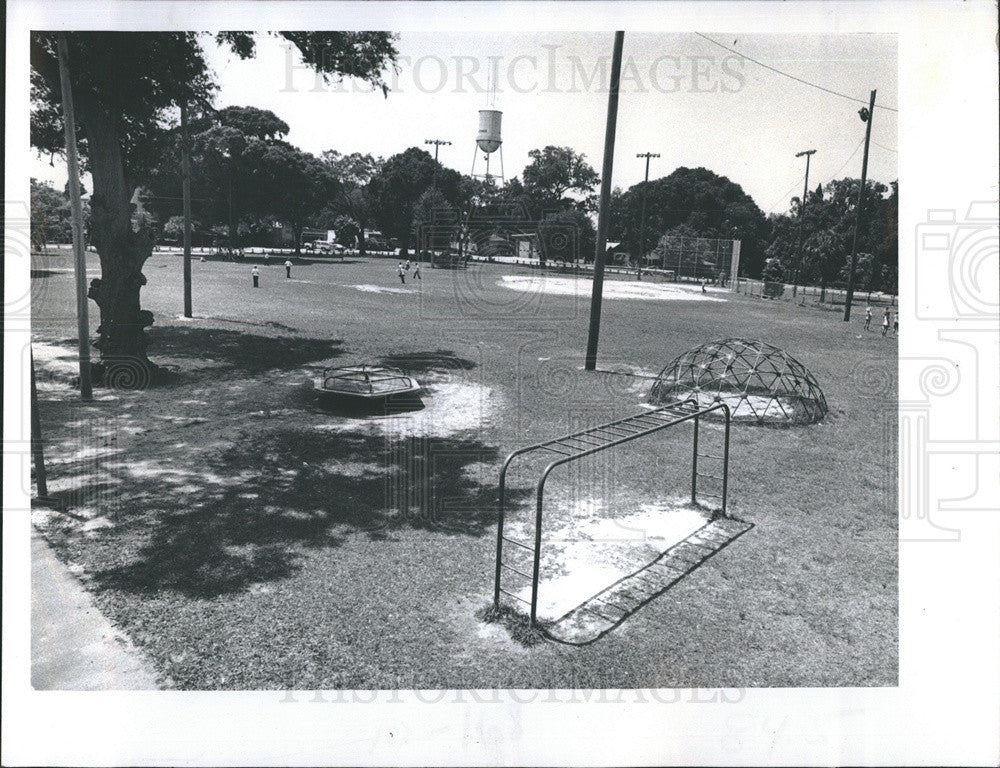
73 647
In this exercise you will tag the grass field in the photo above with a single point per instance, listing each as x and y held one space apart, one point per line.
247 538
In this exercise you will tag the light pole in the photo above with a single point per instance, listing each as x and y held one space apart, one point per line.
438 143
866 115
642 217
802 209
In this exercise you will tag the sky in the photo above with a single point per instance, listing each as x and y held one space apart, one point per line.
691 101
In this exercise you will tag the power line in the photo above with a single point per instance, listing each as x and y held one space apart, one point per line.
887 149
831 178
837 172
792 77
784 196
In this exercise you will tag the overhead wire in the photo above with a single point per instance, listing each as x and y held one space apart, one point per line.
792 77
831 178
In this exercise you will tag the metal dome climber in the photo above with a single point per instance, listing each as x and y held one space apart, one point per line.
758 381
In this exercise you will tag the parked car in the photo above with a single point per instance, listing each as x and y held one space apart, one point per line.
325 246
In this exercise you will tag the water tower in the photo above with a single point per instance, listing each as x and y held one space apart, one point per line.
489 141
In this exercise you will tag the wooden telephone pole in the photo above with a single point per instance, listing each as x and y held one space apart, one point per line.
802 210
642 216
590 362
186 187
76 209
866 115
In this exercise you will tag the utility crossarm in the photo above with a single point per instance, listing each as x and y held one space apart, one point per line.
589 441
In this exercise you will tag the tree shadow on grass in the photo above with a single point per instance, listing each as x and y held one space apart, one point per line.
421 362
246 352
256 507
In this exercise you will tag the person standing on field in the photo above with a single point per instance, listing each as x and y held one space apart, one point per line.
288 268
895 324
401 273
416 272
885 323
255 274
868 317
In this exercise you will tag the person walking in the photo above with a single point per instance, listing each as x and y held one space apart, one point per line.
416 272
885 323
255 274
288 268
868 317
401 273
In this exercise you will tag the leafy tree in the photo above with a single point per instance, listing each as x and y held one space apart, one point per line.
348 230
435 220
125 88
354 173
173 230
566 236
828 232
289 184
695 202
885 251
774 272
395 190
554 173
225 144
50 216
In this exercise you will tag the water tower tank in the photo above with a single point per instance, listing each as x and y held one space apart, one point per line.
488 138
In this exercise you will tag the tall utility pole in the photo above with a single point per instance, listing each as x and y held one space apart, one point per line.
642 217
186 187
866 115
802 209
438 143
590 362
76 209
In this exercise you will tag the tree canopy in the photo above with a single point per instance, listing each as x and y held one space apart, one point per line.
398 185
827 232
126 88
555 173
693 202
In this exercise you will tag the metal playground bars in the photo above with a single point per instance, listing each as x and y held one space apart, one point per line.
590 441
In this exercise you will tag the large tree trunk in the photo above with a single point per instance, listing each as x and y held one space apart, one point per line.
122 338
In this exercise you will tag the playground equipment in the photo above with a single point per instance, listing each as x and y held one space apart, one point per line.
759 382
365 382
590 441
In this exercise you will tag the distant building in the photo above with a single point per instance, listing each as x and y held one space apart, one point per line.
525 245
